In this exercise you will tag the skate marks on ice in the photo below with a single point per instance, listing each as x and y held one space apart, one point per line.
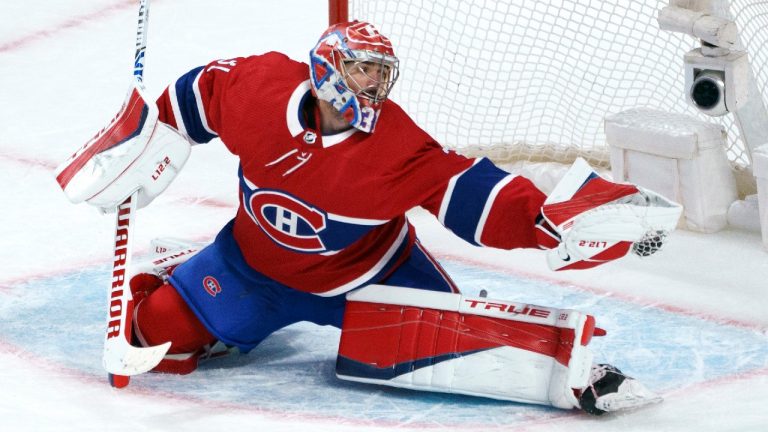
291 374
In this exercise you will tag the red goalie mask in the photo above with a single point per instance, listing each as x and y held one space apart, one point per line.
354 67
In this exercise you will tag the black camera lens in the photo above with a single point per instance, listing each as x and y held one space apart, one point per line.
706 93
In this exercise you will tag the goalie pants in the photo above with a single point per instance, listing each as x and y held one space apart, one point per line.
217 295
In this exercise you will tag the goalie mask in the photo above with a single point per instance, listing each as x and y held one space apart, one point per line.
353 67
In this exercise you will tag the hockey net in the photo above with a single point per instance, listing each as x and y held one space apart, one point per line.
532 80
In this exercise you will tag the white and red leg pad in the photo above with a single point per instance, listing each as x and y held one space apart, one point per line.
446 342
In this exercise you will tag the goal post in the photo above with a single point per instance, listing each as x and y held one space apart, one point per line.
338 11
533 80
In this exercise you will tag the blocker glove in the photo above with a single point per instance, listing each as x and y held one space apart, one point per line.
135 152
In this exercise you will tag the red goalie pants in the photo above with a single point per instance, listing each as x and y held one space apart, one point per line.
164 316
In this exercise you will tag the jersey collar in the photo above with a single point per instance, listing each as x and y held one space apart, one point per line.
293 117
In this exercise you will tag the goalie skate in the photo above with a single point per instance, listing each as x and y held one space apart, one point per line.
610 390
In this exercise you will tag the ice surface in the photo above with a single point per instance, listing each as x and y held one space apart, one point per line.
690 322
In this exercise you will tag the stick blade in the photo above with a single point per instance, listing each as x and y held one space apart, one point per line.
122 358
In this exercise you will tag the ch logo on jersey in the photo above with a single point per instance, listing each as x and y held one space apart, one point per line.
288 221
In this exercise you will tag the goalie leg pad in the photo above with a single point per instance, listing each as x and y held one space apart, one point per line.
450 343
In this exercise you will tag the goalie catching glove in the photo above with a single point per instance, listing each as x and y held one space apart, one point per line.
134 152
597 221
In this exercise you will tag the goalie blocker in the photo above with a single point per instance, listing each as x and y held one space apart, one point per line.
135 152
444 342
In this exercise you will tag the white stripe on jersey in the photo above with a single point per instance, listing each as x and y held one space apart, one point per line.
488 205
249 183
199 101
177 112
356 221
365 277
293 112
449 193
331 216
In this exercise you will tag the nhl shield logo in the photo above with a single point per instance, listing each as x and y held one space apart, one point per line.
310 137
211 286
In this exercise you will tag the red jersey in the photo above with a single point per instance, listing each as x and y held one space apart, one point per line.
326 214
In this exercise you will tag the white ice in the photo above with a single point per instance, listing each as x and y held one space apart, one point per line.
64 69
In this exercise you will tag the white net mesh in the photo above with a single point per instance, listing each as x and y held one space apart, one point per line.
533 79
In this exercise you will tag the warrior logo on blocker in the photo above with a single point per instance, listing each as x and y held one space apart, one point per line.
288 221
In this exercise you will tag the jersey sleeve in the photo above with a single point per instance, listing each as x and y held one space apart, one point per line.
487 206
193 104
475 199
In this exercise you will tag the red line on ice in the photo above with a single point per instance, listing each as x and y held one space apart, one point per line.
39 163
66 25
275 414
7 286
584 288
533 421
206 202
727 379
184 200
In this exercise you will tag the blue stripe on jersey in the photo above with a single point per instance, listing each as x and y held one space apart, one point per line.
420 271
190 115
470 193
339 235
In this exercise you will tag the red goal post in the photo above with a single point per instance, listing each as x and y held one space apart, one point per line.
338 11
533 80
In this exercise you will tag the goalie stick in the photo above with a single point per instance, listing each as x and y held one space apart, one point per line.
120 358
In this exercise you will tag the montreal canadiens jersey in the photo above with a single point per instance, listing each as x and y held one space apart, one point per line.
326 213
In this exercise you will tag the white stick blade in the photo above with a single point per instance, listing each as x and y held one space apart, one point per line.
121 358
